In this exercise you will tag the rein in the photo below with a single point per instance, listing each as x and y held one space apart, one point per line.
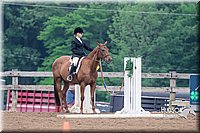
104 84
100 65
122 81
103 81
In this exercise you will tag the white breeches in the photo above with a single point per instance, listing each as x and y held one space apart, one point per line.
75 61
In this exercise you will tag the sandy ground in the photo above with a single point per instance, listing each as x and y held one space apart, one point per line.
45 122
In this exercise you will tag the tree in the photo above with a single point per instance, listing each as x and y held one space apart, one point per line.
58 33
21 28
17 53
160 33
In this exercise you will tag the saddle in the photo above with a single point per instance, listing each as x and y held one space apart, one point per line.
76 68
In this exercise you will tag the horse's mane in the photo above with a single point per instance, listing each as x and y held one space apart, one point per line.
92 53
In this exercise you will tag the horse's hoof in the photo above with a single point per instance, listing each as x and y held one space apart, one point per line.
81 112
94 112
67 111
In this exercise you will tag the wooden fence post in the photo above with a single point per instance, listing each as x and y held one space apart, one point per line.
14 92
172 96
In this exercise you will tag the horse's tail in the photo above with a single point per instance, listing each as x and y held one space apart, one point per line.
57 100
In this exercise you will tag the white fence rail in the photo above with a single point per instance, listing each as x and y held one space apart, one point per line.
172 76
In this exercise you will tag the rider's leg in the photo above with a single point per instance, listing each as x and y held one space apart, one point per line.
75 61
72 67
71 70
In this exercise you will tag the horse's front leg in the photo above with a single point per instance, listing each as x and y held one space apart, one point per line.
92 90
82 96
61 100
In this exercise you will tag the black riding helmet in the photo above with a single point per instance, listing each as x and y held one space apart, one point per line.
78 30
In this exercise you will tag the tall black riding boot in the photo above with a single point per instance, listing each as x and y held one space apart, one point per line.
69 77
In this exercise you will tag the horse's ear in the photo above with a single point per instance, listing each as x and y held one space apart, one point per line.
105 43
98 43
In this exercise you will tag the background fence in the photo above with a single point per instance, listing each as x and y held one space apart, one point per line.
16 99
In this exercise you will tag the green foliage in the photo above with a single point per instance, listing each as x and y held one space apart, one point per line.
44 81
21 58
58 32
22 25
102 96
165 41
165 35
129 67
157 38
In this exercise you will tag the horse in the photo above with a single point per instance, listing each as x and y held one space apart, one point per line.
86 75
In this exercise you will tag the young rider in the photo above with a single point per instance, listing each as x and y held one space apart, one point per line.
77 47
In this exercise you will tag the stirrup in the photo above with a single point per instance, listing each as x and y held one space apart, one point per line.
69 78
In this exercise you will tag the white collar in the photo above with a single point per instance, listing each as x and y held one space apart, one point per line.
79 39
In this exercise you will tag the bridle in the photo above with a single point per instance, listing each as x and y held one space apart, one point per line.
103 56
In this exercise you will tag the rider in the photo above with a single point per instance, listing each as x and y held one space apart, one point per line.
77 46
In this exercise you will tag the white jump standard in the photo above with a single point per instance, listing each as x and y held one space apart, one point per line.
132 87
87 108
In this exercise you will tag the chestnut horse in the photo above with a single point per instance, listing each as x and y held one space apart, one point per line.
86 75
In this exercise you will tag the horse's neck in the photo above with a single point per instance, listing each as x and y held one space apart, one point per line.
93 53
94 59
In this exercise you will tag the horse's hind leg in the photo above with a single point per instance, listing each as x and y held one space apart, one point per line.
65 88
59 91
92 90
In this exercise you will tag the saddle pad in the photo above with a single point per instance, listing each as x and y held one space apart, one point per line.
79 64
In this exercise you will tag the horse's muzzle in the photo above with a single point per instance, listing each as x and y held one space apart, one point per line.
108 60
